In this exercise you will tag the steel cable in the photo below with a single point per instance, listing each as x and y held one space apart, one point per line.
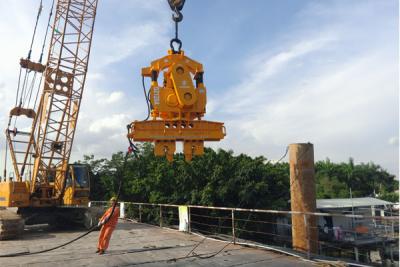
34 31
47 31
119 174
18 86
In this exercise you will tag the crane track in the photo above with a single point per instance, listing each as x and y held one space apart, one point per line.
11 224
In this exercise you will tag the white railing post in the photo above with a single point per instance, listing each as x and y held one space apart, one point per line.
189 219
122 210
161 223
308 236
233 227
183 212
392 230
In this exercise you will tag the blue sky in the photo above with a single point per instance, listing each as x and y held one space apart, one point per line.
277 72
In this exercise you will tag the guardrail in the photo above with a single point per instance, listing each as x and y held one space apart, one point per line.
363 238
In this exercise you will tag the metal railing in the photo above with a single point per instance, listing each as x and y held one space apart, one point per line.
348 236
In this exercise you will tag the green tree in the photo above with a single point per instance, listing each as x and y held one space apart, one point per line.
222 179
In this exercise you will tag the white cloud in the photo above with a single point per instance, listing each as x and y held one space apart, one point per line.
262 67
128 42
112 98
338 108
112 122
131 30
316 87
333 81
270 65
115 97
329 106
393 141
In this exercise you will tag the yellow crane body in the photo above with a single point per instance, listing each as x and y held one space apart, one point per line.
43 182
14 194
177 108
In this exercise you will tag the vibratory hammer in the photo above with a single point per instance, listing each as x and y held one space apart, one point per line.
177 107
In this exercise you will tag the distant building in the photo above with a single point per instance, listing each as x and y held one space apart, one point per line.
339 227
367 206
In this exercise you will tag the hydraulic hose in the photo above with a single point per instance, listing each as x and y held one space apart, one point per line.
120 175
93 228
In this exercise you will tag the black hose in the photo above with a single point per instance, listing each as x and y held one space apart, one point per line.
147 97
120 174
49 249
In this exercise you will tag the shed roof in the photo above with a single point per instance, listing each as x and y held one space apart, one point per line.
335 203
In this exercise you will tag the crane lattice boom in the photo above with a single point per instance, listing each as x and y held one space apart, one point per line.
50 141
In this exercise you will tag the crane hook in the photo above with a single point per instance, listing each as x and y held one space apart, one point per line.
176 7
177 17
176 4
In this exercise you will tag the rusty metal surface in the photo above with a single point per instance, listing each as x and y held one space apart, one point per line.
303 197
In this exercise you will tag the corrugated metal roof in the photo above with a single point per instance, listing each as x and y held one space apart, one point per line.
335 203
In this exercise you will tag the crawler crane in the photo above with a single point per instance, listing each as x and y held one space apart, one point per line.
44 186
177 106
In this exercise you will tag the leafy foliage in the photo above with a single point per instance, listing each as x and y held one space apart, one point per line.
219 178
335 180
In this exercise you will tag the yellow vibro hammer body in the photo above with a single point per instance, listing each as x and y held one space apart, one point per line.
177 108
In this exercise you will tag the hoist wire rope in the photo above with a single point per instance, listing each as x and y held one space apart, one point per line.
47 31
29 55
26 90
18 86
43 46
23 96
34 30
30 91
37 92
176 17
23 91
176 30
119 172
5 160
41 53
26 77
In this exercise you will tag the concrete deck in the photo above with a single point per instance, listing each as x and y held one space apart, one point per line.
134 244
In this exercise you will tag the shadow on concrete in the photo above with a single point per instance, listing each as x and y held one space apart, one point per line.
144 249
133 225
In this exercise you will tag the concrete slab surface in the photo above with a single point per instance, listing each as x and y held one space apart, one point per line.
135 244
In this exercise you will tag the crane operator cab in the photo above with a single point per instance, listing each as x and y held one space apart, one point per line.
76 193
77 185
